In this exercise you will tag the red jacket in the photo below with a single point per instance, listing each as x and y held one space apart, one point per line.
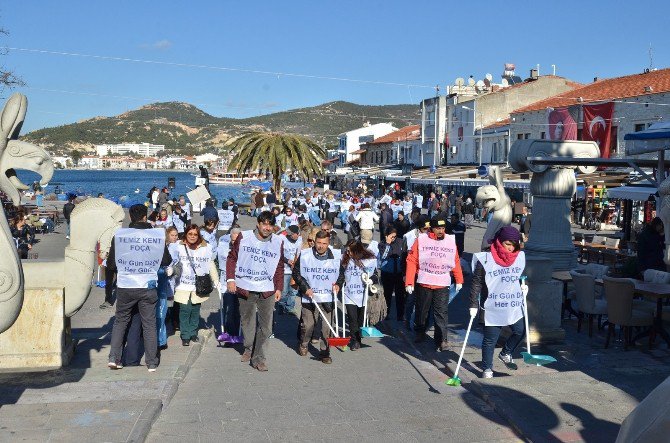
413 267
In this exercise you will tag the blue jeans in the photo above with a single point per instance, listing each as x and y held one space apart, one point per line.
161 306
478 214
491 334
287 300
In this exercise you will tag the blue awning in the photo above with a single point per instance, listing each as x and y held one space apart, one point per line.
656 138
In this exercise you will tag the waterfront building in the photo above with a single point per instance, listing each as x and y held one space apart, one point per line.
350 143
143 149
396 148
469 118
623 105
90 162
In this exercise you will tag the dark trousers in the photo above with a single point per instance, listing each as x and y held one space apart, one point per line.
189 320
110 285
392 283
145 300
439 300
309 318
132 348
256 317
356 319
491 335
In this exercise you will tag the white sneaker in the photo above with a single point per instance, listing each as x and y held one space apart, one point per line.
487 374
113 365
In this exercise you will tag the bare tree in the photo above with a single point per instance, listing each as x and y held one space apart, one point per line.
8 79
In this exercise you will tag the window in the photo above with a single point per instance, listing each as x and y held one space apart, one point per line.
526 136
519 136
641 126
430 118
543 135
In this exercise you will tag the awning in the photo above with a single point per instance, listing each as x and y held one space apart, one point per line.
330 161
360 151
656 138
638 193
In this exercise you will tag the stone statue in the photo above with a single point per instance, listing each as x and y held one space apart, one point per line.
664 214
14 155
93 220
552 187
494 199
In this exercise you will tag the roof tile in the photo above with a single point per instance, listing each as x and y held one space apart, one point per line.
606 90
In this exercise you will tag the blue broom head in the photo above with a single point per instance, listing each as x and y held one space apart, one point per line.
369 331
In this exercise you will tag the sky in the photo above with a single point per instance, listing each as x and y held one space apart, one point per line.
244 58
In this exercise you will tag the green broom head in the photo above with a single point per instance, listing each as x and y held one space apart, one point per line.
453 381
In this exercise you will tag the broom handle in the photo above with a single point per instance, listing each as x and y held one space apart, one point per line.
344 316
337 318
465 342
220 308
365 309
323 316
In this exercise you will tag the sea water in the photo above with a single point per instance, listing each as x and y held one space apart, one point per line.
120 185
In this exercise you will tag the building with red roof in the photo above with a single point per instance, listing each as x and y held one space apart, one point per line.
638 100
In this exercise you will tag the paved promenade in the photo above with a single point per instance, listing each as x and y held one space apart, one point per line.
390 390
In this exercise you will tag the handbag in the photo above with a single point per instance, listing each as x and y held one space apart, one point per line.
203 283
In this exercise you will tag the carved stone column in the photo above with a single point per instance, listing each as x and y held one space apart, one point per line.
550 234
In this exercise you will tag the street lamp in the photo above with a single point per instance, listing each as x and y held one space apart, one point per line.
481 129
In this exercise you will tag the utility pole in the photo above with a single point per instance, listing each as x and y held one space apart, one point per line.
436 108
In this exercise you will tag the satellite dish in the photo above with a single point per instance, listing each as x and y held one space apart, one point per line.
487 82
480 84
489 77
459 81
471 81
504 83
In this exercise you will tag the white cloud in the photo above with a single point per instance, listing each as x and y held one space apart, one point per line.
160 45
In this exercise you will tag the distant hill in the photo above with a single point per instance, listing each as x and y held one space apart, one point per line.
184 128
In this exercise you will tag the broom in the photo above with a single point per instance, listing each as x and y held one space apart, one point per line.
455 380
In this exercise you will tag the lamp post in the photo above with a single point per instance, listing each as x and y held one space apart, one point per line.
481 129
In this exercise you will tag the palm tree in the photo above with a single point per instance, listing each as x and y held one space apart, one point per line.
278 153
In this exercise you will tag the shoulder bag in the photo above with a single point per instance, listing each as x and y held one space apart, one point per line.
203 283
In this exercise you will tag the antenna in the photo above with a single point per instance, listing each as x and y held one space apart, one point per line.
553 68
651 57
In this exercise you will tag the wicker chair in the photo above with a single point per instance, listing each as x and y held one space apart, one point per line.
619 293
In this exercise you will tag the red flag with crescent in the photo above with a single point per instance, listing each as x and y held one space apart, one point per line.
561 125
598 126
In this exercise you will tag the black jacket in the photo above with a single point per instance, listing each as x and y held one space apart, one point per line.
303 286
111 260
67 210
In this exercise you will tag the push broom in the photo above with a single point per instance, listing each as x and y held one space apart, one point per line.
336 341
455 380
528 358
367 330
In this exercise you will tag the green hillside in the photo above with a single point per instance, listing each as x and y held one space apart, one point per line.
184 128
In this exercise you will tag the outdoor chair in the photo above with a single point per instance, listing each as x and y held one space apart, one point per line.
654 276
598 272
598 240
619 293
585 296
612 242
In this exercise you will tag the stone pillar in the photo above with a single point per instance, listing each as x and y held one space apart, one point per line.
545 301
40 338
550 233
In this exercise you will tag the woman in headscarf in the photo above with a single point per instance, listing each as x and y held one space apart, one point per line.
495 281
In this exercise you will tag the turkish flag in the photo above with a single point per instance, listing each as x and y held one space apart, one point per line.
598 126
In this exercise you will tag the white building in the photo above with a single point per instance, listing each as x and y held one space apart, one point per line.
90 162
639 100
352 141
432 134
143 149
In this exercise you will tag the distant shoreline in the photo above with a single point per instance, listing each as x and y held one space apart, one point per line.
129 170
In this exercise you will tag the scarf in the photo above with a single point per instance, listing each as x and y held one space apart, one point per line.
501 255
